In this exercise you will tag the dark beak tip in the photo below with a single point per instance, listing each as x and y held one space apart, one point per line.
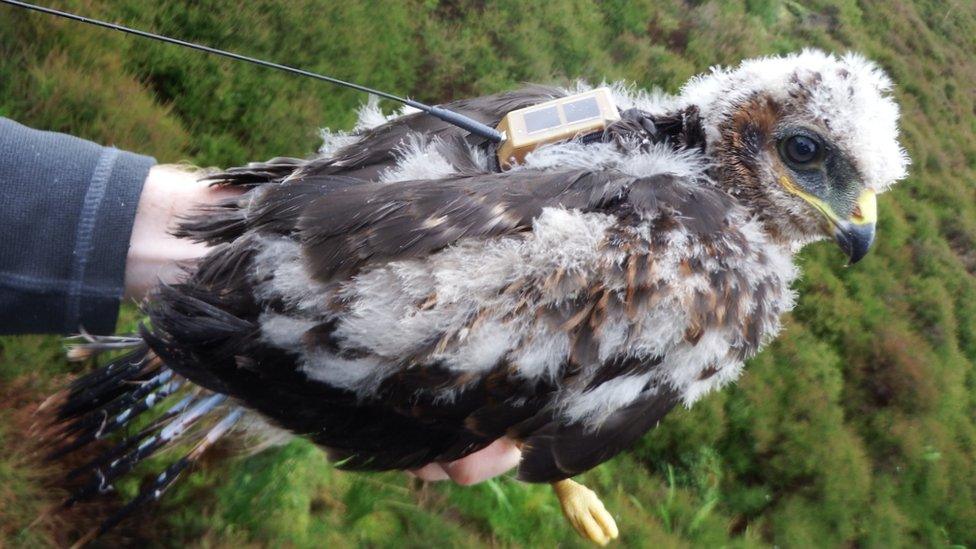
855 241
855 258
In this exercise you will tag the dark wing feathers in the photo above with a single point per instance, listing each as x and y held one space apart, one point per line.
345 223
207 328
376 150
257 173
556 451
357 224
204 327
636 128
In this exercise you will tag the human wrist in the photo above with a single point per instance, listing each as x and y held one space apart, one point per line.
154 254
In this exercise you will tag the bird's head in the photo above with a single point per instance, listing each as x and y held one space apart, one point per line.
808 140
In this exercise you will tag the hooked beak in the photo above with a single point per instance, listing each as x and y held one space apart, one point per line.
854 240
856 234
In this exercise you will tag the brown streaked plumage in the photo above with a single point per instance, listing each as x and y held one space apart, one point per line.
399 301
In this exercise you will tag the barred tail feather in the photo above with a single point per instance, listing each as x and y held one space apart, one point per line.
128 443
146 393
98 424
108 402
155 489
102 478
101 387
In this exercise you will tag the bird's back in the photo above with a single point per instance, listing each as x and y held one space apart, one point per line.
399 323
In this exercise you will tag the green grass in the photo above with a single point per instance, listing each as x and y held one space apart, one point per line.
856 428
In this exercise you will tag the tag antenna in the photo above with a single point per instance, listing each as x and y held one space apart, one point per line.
437 111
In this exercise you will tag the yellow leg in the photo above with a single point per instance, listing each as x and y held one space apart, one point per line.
585 511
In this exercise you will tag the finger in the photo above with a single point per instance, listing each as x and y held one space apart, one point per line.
432 472
593 530
606 521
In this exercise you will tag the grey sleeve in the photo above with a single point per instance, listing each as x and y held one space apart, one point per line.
66 212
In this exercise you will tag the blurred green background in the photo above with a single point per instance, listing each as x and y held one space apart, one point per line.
857 428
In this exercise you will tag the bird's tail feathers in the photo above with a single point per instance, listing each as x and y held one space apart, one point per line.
128 410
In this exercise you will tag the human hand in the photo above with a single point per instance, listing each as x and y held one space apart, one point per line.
155 255
491 461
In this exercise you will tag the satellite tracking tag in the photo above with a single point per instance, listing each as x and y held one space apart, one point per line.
552 121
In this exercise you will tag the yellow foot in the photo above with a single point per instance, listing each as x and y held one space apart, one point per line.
585 511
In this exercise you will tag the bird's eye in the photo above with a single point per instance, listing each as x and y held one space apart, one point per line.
801 151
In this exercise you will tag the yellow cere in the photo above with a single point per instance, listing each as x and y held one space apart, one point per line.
865 213
867 206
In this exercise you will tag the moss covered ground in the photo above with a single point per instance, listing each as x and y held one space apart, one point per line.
857 428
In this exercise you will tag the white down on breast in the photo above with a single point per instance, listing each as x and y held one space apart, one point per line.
385 305
385 317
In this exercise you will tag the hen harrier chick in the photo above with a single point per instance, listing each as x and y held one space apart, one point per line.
399 301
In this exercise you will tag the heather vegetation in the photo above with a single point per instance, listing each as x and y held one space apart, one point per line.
857 427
